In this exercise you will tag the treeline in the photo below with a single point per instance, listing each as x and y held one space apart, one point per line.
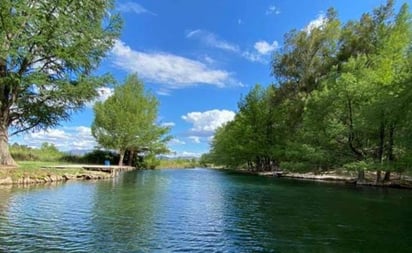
342 100
48 152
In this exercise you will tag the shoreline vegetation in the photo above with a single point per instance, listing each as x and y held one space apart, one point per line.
29 173
43 172
340 102
398 180
35 173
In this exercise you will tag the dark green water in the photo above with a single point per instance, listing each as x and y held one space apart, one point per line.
203 210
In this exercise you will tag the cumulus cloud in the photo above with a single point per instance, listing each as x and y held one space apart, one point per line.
65 139
272 10
205 123
176 141
316 23
168 69
263 47
254 56
133 8
195 139
211 40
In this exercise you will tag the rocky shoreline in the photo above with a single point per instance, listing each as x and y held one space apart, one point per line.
54 178
88 172
397 181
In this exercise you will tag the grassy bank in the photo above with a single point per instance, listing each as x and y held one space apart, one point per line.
30 172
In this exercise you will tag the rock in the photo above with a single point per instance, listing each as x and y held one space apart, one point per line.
6 180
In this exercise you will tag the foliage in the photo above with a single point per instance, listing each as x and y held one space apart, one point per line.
46 153
343 100
47 54
126 121
99 157
178 163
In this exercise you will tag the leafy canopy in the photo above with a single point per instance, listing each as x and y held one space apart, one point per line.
48 51
127 120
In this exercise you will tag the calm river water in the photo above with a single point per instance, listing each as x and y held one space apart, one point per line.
200 210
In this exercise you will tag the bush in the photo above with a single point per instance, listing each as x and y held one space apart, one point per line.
47 153
100 156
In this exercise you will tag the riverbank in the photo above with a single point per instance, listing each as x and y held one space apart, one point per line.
397 180
40 173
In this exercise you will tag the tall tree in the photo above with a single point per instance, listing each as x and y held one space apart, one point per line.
127 120
360 105
48 50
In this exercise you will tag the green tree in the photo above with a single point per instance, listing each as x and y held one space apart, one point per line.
48 50
359 107
249 139
126 121
305 59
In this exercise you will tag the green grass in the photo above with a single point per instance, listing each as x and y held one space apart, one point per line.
38 170
177 163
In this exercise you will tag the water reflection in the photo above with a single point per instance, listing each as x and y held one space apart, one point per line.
203 210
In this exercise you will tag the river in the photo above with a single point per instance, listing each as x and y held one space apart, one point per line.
202 210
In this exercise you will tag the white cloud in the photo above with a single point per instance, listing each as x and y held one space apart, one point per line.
195 139
65 139
177 154
133 7
263 47
176 141
168 69
190 154
168 124
240 21
162 91
209 60
103 94
262 50
211 40
272 10
205 123
316 23
254 57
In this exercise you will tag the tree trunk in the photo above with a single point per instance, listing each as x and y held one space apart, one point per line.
381 142
391 156
5 157
378 176
361 175
351 134
121 153
130 159
387 176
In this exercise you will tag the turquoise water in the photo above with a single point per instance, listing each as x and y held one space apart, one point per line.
200 210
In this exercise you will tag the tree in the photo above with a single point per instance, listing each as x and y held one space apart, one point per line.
305 59
360 106
343 100
48 50
126 121
250 138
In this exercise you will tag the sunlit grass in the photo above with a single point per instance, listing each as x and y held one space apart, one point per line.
38 170
177 163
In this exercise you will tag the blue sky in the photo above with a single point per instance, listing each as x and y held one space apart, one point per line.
198 57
